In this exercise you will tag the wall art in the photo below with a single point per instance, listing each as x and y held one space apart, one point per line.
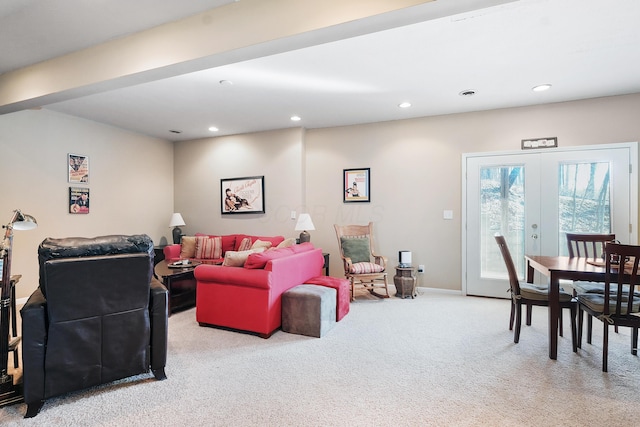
242 195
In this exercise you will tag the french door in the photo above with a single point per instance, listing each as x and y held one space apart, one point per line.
534 197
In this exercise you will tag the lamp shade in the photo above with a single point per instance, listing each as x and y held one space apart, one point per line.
24 222
304 223
176 220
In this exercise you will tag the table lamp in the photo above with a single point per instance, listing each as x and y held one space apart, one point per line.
9 392
177 222
304 224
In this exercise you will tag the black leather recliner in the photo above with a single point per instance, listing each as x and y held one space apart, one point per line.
98 315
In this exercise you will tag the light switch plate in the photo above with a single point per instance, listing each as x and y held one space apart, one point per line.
447 214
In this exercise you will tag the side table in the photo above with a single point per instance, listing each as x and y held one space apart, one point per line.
180 283
405 281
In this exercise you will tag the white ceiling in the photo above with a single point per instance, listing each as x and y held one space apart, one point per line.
584 48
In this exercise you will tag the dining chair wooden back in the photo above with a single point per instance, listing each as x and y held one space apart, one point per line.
362 266
619 304
531 295
587 245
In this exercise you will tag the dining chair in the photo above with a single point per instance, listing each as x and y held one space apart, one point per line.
531 295
619 304
587 245
362 266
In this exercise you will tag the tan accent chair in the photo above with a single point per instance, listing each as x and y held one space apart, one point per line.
530 295
362 266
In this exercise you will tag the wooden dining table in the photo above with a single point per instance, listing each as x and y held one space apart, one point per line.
558 268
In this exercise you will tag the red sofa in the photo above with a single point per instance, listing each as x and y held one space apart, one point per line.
249 298
230 242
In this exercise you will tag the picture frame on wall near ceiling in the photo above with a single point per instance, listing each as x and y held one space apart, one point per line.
242 195
356 185
78 168
78 200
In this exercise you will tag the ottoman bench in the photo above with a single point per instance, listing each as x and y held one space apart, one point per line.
309 310
341 286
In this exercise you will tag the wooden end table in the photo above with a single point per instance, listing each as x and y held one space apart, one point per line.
180 283
405 281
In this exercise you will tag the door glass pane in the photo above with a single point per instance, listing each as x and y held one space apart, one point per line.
501 211
584 205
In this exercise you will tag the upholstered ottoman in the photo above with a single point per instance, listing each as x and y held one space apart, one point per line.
343 289
309 310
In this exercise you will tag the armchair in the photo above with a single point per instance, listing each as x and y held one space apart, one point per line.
356 250
97 316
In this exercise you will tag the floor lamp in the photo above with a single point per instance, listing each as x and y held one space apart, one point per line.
9 393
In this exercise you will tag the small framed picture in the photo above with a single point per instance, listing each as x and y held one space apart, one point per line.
356 185
78 168
78 200
242 195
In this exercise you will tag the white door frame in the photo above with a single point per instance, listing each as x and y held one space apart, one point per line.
633 189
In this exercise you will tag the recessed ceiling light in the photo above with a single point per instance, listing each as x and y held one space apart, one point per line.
541 88
467 92
404 105
295 118
226 82
213 129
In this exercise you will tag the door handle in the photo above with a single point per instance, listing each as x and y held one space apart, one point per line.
534 236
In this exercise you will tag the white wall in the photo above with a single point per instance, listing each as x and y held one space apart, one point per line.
415 175
131 182
201 164
416 172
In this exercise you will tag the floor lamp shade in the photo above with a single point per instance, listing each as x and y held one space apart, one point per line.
176 222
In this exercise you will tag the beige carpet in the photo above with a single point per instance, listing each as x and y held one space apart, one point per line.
437 360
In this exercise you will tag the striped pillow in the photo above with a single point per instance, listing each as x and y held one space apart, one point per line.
366 268
208 247
245 244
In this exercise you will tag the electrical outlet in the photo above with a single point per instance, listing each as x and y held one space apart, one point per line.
421 268
293 214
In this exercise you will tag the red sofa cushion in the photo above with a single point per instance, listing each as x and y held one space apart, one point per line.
259 260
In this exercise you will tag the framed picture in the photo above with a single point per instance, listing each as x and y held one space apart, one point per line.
78 168
78 200
242 195
356 185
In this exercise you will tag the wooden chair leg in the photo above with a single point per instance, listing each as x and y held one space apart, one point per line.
634 341
605 347
580 322
574 337
589 327
560 328
513 315
386 286
529 310
516 333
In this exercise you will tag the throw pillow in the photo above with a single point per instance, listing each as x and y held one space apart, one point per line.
188 247
366 268
259 260
261 244
238 258
245 244
356 248
208 247
287 242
